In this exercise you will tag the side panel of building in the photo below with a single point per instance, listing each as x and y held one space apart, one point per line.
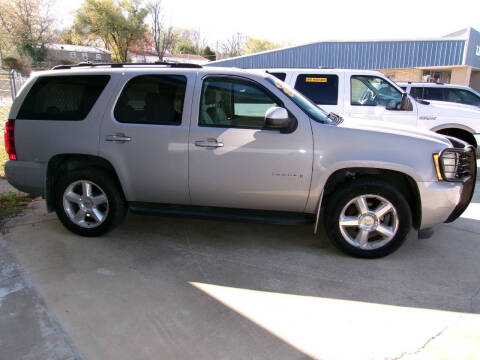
357 55
473 51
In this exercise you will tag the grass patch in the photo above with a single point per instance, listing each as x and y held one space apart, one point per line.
3 155
11 204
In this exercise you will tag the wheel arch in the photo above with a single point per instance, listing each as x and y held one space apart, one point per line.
457 130
61 163
404 182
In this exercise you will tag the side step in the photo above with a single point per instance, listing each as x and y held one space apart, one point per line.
204 212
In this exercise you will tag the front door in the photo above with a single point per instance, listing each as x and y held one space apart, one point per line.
234 161
374 98
145 137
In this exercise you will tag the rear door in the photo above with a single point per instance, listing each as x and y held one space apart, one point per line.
145 135
234 161
322 89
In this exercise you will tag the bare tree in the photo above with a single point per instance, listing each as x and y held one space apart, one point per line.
232 46
164 37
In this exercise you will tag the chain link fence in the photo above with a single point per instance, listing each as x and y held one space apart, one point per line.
10 83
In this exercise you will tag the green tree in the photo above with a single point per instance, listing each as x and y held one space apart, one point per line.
252 45
118 23
27 25
209 54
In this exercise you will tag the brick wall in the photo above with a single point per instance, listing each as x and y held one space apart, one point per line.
408 74
461 75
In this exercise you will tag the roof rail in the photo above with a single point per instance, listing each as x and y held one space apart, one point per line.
119 65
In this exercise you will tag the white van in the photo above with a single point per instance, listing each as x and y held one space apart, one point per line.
371 95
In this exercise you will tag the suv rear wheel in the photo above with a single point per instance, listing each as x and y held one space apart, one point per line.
88 202
368 218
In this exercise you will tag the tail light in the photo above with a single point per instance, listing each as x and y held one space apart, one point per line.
10 139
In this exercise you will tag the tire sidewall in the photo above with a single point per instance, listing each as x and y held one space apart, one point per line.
116 202
338 201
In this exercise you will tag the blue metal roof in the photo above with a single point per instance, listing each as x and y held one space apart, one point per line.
365 55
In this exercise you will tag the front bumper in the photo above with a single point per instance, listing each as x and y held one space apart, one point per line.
26 176
439 199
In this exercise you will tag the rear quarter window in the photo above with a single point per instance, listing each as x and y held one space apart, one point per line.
62 97
321 89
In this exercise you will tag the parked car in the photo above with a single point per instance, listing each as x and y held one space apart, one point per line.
371 95
442 92
211 142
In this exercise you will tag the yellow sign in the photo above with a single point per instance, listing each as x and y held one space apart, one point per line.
316 79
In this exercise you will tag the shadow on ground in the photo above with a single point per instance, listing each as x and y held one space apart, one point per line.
204 289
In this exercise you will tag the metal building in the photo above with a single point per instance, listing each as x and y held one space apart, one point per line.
454 58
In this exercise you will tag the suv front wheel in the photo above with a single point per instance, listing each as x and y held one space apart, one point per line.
88 202
368 218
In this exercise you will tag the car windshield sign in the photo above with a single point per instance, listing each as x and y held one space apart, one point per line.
312 110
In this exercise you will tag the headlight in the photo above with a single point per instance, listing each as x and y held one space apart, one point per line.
455 164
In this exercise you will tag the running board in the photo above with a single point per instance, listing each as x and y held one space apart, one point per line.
203 212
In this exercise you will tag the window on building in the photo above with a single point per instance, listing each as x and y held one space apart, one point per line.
374 91
234 103
152 99
98 57
62 97
73 55
321 89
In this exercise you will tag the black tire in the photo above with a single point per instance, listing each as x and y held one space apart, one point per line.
117 207
342 197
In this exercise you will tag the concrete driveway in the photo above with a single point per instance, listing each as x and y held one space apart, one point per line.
164 288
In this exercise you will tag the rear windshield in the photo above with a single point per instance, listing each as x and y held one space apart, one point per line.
62 97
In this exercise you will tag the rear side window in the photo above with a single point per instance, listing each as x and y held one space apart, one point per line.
152 99
321 89
279 75
62 97
461 96
430 93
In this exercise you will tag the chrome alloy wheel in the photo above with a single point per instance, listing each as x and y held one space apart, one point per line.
85 204
368 222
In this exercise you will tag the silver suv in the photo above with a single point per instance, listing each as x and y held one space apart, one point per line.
96 140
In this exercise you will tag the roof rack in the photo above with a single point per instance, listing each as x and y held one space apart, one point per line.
119 65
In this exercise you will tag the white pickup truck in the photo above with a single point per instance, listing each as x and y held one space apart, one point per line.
371 95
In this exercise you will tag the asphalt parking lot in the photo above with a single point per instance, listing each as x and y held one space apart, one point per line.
168 288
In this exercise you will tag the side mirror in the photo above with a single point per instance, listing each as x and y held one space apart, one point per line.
405 104
277 118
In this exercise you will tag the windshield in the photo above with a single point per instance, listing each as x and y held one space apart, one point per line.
302 102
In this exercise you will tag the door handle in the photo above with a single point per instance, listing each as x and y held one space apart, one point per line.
118 138
209 143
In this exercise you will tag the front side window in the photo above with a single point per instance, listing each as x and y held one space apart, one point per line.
417 92
62 97
374 91
321 89
73 54
152 99
462 96
234 103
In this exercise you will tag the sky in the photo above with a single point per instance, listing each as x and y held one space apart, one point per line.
303 21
